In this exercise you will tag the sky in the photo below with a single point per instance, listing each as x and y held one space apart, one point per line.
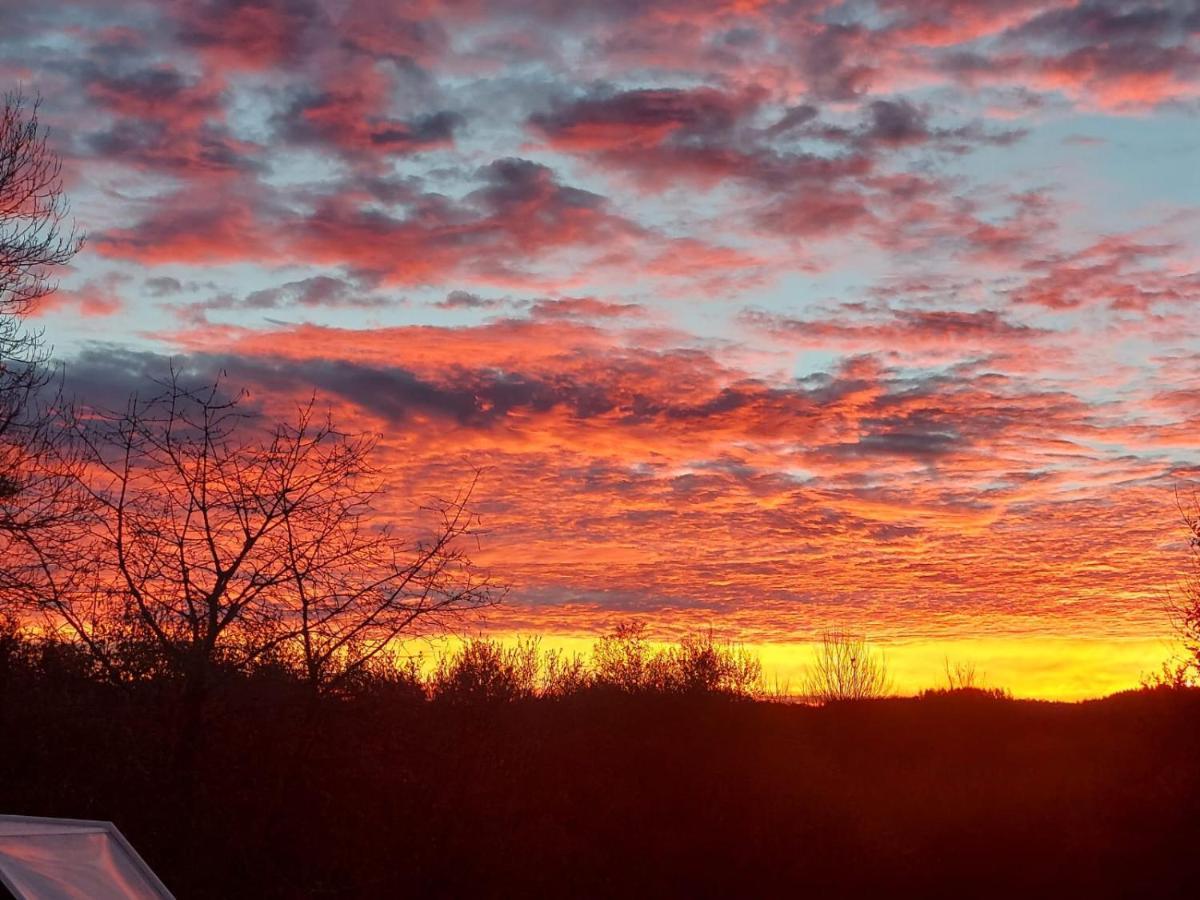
765 317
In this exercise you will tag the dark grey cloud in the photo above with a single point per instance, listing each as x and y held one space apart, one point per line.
467 300
695 112
162 286
317 291
1107 23
512 183
895 122
350 121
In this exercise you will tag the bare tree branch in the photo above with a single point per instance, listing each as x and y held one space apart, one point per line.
230 542
38 501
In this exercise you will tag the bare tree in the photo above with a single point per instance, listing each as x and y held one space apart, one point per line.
357 590
36 501
960 676
1183 607
33 210
222 542
846 668
44 510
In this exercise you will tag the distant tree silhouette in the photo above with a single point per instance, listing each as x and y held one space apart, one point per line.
698 664
1183 607
485 671
484 790
846 668
220 541
964 682
960 676
36 501
624 659
564 674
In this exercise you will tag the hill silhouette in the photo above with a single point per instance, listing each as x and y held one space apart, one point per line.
398 787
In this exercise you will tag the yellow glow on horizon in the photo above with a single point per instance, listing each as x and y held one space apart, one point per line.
1030 667
1041 668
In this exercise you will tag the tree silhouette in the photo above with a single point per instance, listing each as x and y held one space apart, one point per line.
220 542
36 502
624 659
485 671
1183 607
33 209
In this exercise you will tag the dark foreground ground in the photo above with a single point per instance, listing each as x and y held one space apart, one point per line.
604 794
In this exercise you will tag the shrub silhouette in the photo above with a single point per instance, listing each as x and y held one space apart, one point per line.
1173 675
564 675
486 671
962 681
846 668
624 660
700 664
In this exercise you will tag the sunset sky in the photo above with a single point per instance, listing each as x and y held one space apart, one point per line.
770 317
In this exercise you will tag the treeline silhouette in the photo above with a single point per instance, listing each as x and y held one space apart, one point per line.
503 770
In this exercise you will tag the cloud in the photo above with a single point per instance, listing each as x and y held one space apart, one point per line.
356 120
799 485
484 375
520 212
1105 53
796 283
162 286
95 298
640 118
250 34
193 226
1120 272
584 308
467 300
320 292
857 328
